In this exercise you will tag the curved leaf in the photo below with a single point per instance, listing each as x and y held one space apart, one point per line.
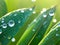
53 36
11 23
32 30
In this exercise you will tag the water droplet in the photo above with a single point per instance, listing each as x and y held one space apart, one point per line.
2 18
59 24
15 14
0 31
30 9
33 0
57 34
35 20
4 25
43 10
56 29
34 12
2 21
13 39
44 16
11 23
54 20
19 21
51 13
33 30
22 11
9 37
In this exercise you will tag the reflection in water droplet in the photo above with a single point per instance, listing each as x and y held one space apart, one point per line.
11 23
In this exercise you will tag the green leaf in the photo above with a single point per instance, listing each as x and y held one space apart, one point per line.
11 23
53 36
32 29
3 8
43 29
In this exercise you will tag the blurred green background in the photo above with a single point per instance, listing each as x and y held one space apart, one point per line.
40 4
16 4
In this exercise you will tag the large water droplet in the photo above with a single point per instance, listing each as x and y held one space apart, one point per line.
13 39
4 25
11 23
34 12
0 31
51 13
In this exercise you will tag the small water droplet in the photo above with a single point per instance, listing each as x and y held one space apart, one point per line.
11 23
54 20
2 21
43 10
19 21
44 15
57 34
13 39
30 9
33 30
0 31
34 12
59 24
56 29
4 25
35 20
15 14
9 37
22 11
33 0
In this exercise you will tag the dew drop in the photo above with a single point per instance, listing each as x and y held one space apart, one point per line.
59 24
56 29
33 0
30 9
2 21
44 16
0 31
43 10
54 20
35 20
19 21
9 37
11 23
13 39
22 11
34 12
33 30
51 13
15 14
57 34
4 25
